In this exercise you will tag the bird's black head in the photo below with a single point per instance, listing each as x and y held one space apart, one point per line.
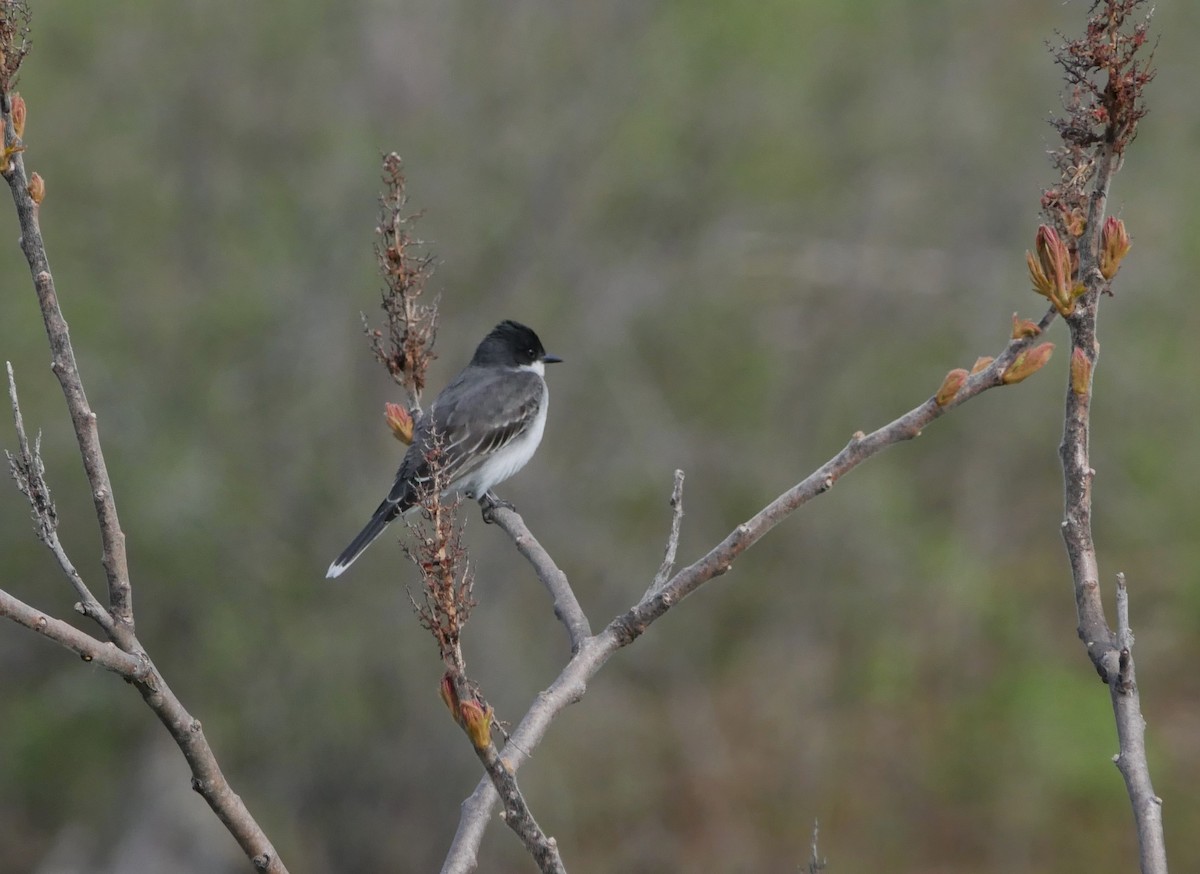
511 344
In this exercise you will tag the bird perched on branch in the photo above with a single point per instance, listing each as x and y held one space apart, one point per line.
484 427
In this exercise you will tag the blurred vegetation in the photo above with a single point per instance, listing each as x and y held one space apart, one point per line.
751 230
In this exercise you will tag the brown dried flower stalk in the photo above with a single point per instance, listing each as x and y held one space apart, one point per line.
1104 104
446 585
14 40
444 565
404 345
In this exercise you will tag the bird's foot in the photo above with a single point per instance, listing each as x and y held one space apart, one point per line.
489 504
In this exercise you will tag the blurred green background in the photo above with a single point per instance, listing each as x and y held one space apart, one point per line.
751 229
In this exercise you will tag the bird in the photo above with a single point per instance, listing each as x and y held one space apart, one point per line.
488 421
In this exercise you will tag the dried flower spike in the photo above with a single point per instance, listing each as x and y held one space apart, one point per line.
405 346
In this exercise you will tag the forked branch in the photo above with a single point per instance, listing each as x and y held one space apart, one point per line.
594 651
1106 78
124 655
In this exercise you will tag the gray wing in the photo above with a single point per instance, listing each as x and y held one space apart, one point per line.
473 418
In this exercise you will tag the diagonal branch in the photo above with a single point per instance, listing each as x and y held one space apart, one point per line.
101 652
128 657
116 567
517 815
1104 67
1131 739
668 562
1074 451
593 652
28 470
566 605
207 778
475 718
1110 652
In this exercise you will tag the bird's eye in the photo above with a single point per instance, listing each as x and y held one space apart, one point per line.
532 354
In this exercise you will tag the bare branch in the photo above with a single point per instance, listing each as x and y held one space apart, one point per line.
566 605
816 862
593 652
1105 56
517 815
668 563
101 652
1131 740
28 471
128 657
1124 632
1110 653
207 777
475 718
1074 453
116 567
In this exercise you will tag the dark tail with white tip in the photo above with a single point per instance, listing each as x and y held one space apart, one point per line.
386 513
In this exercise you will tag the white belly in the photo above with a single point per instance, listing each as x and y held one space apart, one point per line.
507 461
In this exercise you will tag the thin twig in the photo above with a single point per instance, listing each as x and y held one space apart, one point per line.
1109 652
100 652
1131 740
593 652
517 815
816 862
28 471
35 488
116 567
1107 53
566 605
207 778
668 562
1124 632
543 849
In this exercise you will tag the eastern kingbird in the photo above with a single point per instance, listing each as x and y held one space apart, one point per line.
489 422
